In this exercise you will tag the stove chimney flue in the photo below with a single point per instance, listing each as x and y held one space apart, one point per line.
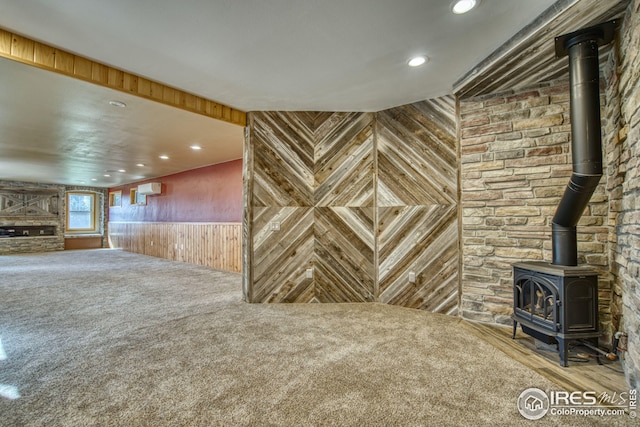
586 144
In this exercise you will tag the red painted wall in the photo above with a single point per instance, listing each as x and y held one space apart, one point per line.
208 194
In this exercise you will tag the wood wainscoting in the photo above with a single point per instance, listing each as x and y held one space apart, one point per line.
217 245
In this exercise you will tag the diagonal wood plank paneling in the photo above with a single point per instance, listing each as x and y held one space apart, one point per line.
422 240
417 195
343 160
344 249
417 154
283 158
330 161
281 257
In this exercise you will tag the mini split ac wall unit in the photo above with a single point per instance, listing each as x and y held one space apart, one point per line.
150 188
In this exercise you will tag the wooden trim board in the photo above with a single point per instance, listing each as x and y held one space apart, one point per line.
31 52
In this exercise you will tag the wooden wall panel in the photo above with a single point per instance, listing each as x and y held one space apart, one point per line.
344 254
343 161
352 192
422 240
216 245
417 154
344 216
82 243
301 160
282 257
283 170
417 197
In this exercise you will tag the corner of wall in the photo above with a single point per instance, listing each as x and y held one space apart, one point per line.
624 186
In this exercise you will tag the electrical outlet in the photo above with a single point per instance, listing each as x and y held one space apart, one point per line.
412 277
275 225
151 243
309 273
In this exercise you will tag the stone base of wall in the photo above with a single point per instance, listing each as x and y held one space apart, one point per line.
17 245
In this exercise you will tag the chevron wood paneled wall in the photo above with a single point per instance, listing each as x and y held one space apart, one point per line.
417 206
358 200
344 254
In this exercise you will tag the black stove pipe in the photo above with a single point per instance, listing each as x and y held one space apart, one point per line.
586 143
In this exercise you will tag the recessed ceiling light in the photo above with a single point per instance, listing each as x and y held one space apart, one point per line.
106 175
121 170
416 61
118 104
196 147
164 157
93 179
140 165
463 6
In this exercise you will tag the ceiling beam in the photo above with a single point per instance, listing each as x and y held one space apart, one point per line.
31 52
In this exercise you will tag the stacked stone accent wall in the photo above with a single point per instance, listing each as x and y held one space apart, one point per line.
46 243
515 165
623 179
34 244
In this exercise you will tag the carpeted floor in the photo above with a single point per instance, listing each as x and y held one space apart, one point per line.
110 338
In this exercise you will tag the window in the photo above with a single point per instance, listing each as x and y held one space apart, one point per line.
136 198
115 199
81 212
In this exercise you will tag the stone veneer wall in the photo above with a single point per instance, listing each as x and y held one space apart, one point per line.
623 183
515 165
34 244
53 243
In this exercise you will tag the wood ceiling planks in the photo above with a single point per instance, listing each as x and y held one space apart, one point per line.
529 57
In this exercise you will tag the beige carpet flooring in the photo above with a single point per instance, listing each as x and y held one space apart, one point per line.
110 338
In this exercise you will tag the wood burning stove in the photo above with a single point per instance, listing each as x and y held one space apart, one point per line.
558 302
555 304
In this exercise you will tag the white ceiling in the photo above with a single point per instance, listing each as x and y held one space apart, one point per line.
330 55
57 129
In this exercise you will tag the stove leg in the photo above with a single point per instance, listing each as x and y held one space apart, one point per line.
515 327
563 351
